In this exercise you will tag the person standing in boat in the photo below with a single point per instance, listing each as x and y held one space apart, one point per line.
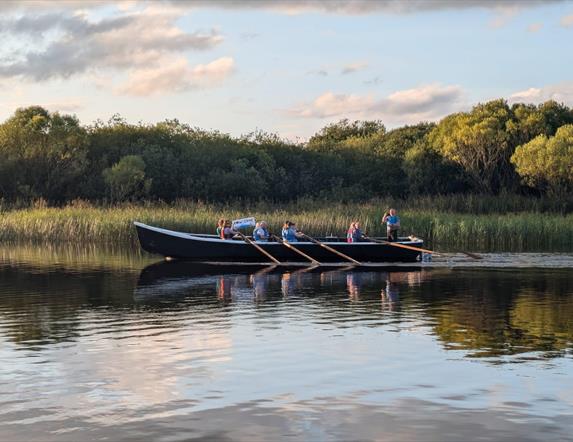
261 232
392 221
289 232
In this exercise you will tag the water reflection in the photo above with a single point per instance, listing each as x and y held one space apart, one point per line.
179 351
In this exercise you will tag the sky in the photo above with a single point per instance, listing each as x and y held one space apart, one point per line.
286 67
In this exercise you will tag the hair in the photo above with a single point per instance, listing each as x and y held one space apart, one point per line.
221 222
227 223
286 225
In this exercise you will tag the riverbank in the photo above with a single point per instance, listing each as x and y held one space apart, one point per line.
443 222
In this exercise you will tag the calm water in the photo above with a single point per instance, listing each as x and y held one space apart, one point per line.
109 346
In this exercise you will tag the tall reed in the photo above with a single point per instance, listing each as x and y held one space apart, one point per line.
441 228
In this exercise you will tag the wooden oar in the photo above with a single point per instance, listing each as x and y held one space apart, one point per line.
330 249
471 255
259 248
404 246
294 249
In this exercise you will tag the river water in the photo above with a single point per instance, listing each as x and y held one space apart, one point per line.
108 345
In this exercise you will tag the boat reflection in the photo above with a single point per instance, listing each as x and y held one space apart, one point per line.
179 279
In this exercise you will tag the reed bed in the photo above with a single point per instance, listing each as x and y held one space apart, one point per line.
85 223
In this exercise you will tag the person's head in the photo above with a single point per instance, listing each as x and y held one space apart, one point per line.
227 223
263 224
356 224
257 225
286 225
392 212
292 225
221 222
352 225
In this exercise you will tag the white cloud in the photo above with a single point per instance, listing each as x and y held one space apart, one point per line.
503 14
561 92
534 27
567 21
177 76
69 44
424 103
293 7
353 67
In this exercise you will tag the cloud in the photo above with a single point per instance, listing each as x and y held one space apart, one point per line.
429 102
353 67
293 7
374 81
534 27
73 44
502 15
561 92
177 76
567 21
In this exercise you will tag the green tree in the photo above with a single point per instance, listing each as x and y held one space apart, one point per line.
481 142
43 154
330 136
126 179
546 163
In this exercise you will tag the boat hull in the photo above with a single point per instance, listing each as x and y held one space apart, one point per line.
209 248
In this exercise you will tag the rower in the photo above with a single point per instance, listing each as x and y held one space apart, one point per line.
289 232
261 232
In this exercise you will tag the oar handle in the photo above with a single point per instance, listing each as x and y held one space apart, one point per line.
259 248
330 249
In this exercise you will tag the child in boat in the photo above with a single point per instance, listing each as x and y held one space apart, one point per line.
392 221
261 233
289 232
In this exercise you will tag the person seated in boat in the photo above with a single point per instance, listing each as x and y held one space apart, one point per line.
350 232
356 235
220 226
289 232
261 232
392 221
227 231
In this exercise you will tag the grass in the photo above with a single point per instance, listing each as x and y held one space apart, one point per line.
435 220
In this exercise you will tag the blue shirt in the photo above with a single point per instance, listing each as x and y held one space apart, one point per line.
392 220
357 235
260 234
289 234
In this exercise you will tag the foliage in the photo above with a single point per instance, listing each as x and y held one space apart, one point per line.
547 162
52 157
428 218
126 179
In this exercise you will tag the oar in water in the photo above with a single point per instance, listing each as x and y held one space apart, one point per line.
294 249
404 246
330 249
259 248
471 255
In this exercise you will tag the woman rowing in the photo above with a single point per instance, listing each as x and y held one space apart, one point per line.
354 233
261 232
289 232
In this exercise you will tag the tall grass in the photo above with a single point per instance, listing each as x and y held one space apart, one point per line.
81 222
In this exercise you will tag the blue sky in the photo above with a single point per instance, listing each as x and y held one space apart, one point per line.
285 67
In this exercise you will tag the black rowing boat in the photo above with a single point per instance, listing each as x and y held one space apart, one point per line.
210 248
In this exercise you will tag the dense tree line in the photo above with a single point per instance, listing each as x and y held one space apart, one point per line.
493 148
